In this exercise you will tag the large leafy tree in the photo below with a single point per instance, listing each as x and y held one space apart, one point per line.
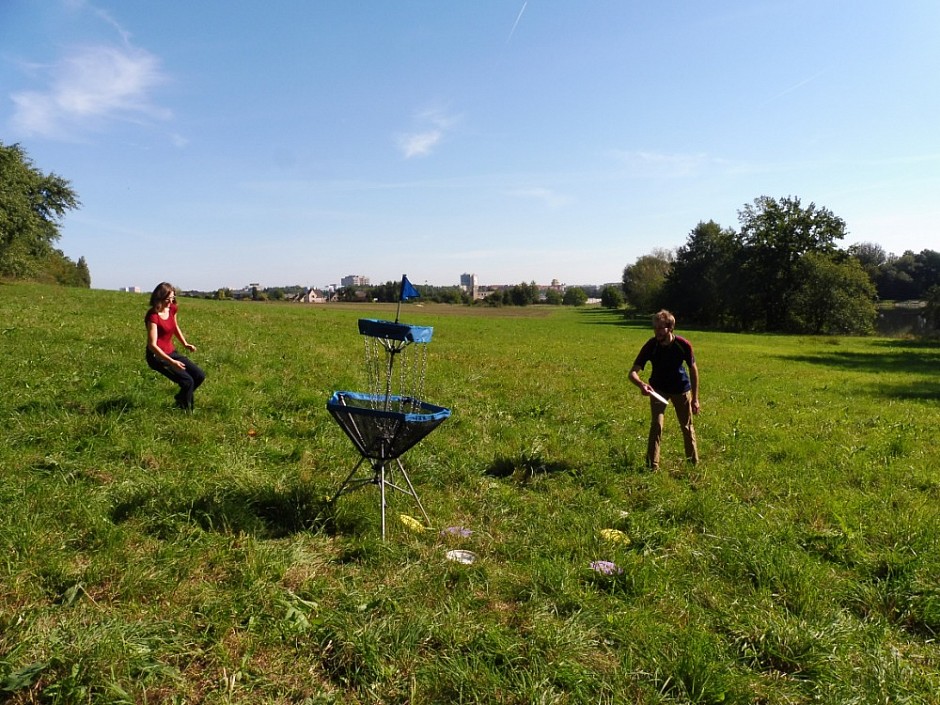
611 297
933 310
553 297
836 296
701 287
871 256
783 272
32 205
899 278
927 275
574 296
775 235
523 294
644 279
896 277
56 268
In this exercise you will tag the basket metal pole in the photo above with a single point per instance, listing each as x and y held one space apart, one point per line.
382 473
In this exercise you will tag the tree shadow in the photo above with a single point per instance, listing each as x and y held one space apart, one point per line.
266 512
34 406
611 317
525 467
640 321
51 404
919 361
906 343
118 405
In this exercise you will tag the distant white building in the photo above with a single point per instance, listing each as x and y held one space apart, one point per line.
131 289
469 284
354 280
312 296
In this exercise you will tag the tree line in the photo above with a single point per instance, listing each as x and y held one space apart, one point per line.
781 271
522 294
32 205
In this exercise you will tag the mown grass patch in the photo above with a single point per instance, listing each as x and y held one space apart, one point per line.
157 557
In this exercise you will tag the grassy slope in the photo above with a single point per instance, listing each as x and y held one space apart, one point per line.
153 556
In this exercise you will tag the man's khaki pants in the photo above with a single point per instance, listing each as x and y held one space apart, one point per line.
683 405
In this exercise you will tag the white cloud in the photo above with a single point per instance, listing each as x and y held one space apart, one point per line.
660 164
419 144
664 165
88 87
434 124
550 198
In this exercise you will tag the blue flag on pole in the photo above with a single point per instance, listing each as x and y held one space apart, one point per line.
407 290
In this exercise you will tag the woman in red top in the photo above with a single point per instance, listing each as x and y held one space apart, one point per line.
161 355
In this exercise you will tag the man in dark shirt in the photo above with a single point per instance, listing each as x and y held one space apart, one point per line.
670 381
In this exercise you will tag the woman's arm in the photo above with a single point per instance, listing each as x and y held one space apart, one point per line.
179 335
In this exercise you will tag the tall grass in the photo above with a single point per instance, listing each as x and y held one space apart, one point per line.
153 556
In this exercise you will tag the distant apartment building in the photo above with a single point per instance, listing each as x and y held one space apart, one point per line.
131 289
354 280
470 284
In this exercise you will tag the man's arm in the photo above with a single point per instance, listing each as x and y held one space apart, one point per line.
635 378
693 378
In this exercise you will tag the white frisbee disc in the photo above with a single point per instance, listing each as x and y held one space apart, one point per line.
459 556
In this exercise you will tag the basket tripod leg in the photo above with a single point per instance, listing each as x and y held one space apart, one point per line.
427 519
346 482
385 478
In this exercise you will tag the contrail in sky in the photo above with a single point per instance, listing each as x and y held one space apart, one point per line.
516 23
793 87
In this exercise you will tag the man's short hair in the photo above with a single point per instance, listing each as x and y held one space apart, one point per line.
664 317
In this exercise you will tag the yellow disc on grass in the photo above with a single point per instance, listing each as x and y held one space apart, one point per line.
411 523
614 536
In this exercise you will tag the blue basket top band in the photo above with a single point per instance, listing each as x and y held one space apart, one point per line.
361 405
395 331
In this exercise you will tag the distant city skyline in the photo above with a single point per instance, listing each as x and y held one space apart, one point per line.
368 282
214 143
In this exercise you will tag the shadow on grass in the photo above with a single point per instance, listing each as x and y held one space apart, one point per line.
525 467
51 405
118 405
611 317
918 360
264 512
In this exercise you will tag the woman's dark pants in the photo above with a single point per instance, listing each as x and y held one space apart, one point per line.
188 379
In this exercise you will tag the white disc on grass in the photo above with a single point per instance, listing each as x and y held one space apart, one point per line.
460 556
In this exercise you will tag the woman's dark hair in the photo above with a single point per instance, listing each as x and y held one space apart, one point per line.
163 290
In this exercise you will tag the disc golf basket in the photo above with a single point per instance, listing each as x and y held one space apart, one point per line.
391 418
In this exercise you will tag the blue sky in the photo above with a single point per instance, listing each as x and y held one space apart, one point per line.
297 141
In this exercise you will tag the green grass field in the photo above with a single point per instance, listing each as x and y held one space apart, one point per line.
156 557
